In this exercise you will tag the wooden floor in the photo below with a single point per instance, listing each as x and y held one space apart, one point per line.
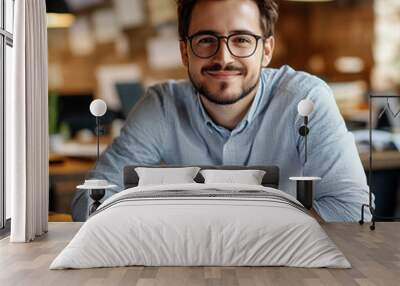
374 255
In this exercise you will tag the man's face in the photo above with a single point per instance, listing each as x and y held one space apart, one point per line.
224 78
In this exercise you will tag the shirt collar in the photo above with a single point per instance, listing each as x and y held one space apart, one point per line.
256 102
208 121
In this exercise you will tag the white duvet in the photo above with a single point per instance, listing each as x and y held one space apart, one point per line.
207 230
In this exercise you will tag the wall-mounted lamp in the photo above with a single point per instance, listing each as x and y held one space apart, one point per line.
305 185
98 108
97 188
305 107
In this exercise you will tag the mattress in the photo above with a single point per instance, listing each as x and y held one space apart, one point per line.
201 225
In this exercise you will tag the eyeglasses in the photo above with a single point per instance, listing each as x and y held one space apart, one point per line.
241 45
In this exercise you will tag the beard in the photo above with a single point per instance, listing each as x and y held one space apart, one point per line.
214 98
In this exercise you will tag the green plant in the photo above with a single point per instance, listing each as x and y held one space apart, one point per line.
53 113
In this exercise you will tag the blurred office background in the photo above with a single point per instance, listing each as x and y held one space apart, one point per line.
114 49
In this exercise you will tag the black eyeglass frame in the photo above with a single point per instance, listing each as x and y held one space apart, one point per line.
219 37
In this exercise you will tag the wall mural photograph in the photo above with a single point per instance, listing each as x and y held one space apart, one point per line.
229 142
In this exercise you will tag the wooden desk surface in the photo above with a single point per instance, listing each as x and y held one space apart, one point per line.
374 255
70 166
387 160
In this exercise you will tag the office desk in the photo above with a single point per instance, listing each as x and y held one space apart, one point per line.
385 181
79 167
70 168
387 160
374 255
64 177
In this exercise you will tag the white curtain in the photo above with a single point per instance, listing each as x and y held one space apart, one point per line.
27 124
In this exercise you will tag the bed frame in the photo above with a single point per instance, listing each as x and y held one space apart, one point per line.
270 179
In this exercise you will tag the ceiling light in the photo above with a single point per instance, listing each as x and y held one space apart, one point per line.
57 20
310 0
349 64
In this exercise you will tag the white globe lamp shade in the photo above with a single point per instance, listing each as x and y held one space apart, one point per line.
305 107
98 107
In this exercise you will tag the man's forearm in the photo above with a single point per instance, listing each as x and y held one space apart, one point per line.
79 205
331 210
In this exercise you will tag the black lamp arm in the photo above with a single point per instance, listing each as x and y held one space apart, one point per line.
303 131
98 137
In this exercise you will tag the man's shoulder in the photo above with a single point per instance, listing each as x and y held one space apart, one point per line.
288 81
171 90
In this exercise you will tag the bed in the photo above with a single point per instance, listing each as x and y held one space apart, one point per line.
201 224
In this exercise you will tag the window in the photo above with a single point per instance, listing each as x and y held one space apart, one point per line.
6 43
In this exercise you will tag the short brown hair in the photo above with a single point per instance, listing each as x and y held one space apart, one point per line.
268 12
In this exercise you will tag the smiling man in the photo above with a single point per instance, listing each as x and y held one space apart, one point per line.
236 111
224 53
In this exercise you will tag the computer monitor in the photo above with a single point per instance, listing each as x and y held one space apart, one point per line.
73 110
129 94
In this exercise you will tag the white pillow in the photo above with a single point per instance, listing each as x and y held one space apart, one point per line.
248 177
164 176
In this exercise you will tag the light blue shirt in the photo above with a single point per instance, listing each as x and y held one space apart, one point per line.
170 125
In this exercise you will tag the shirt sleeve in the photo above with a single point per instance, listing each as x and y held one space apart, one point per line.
140 142
332 155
